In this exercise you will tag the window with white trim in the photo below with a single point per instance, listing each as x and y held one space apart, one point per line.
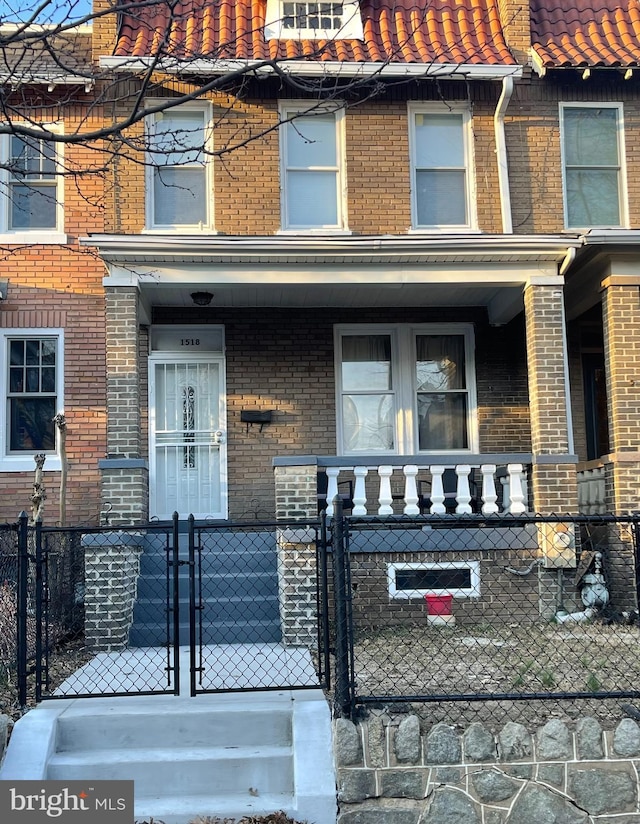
461 579
312 174
592 158
178 185
33 186
441 175
33 388
293 20
405 389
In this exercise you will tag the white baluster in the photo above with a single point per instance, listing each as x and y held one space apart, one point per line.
463 493
332 487
360 492
410 490
437 491
489 494
385 499
516 492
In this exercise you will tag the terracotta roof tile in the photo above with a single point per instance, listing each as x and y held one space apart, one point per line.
586 33
396 31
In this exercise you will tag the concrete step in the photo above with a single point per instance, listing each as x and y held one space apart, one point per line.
140 726
236 608
190 770
216 561
153 634
181 810
214 585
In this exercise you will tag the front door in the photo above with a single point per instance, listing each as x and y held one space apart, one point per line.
187 437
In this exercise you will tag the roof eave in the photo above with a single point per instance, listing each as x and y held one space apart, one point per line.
313 68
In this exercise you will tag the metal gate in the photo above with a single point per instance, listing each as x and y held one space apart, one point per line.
180 607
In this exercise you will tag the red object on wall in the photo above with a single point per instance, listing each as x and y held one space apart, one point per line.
439 604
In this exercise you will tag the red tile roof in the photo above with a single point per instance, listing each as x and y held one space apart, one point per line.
396 31
586 33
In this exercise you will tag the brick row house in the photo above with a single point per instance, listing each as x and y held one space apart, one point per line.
394 261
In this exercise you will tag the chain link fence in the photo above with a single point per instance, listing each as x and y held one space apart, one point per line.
465 611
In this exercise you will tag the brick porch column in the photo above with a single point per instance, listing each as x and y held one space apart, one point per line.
125 475
296 482
621 323
555 487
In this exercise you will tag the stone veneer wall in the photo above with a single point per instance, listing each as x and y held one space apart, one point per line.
390 772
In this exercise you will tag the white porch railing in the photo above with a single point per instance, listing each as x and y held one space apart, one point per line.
414 488
591 490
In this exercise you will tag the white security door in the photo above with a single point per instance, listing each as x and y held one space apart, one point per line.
187 429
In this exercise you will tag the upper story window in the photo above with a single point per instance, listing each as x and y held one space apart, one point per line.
404 390
441 169
178 190
32 210
293 20
33 386
592 153
312 173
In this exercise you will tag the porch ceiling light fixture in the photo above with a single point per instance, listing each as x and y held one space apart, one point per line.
201 298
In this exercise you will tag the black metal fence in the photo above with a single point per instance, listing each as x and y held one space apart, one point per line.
130 610
470 610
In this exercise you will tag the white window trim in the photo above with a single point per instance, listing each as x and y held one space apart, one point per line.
192 228
473 591
24 463
469 160
623 198
53 235
351 29
286 109
404 389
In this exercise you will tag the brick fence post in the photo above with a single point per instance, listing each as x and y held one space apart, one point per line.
112 568
297 500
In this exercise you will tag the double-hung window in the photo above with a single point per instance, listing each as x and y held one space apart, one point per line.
178 188
592 153
441 169
404 389
33 187
312 174
33 394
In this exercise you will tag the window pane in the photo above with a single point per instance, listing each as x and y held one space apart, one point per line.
441 198
592 198
312 199
590 137
367 423
32 352
16 352
179 197
366 362
439 140
440 363
32 375
32 208
442 421
311 141
178 138
35 157
32 427
48 379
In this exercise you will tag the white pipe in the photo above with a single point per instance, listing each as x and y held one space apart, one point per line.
501 154
567 388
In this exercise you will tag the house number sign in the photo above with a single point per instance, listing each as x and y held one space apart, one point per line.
187 338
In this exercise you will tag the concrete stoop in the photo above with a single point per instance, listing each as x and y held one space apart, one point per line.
222 755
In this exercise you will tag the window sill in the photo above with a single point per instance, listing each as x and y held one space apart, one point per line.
178 230
14 463
445 230
40 237
306 232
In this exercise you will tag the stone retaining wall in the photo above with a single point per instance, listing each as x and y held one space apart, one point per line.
392 772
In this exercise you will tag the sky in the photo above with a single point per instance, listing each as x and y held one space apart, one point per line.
50 11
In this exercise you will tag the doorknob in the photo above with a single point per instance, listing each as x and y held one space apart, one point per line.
218 436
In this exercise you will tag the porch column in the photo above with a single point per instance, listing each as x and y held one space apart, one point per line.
555 488
296 484
621 325
621 322
125 475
